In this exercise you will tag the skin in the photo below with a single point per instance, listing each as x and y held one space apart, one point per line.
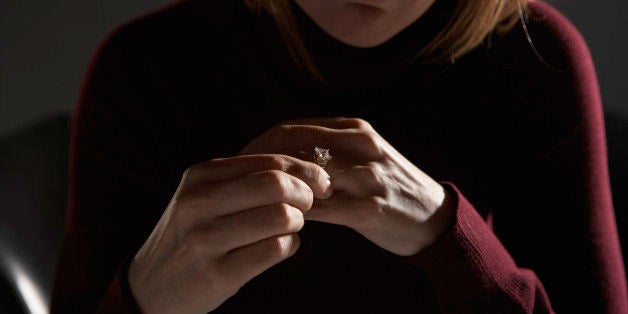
210 241
364 23
377 191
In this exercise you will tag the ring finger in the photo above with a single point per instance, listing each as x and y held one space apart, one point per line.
360 181
249 226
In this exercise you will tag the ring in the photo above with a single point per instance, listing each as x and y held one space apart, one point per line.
321 156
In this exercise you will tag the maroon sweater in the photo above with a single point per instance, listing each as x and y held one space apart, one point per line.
517 136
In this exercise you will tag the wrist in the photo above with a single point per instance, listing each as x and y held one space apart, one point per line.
442 218
131 280
119 298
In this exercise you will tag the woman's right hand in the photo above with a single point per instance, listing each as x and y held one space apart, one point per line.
229 220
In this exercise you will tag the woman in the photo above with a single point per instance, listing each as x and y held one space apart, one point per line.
470 177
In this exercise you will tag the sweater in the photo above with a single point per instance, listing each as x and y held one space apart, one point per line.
513 129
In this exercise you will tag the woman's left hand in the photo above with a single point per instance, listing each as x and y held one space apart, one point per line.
377 191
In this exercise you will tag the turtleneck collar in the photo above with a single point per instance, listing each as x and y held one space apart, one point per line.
350 69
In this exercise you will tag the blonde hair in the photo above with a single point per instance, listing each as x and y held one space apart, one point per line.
472 21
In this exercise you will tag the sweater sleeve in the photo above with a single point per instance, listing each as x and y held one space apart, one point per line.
551 243
118 297
472 272
116 192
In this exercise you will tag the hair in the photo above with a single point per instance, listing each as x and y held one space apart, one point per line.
471 23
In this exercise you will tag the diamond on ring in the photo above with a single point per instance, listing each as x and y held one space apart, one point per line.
321 156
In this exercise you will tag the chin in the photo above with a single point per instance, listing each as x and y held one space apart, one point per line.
362 26
369 42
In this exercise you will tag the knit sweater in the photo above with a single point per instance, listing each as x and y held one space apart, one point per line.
513 129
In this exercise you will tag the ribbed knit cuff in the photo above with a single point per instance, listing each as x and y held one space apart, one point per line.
119 298
469 269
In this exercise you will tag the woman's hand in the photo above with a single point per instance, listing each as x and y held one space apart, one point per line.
229 220
377 191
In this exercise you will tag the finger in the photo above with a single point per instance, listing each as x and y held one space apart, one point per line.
333 122
336 161
229 168
243 228
243 264
291 139
347 210
359 181
250 191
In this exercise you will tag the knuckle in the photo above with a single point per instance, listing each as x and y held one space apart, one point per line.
283 246
279 130
369 174
190 201
367 138
308 195
276 182
283 127
373 210
197 171
320 174
358 123
302 186
275 162
187 173
278 246
273 178
197 167
284 123
374 165
375 206
287 218
282 215
372 174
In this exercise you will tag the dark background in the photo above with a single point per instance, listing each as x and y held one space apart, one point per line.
45 47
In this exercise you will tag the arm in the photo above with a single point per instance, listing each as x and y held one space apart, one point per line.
556 216
552 237
112 159
402 210
183 253
472 272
